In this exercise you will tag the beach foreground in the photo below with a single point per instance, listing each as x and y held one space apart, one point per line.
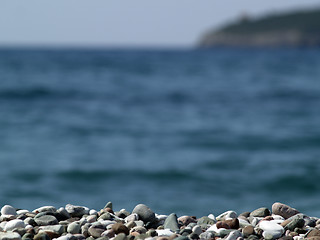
79 222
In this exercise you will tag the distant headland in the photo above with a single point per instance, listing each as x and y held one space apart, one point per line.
293 29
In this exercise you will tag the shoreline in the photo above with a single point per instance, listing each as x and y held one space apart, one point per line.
79 223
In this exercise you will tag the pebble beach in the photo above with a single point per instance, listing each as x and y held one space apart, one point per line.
79 223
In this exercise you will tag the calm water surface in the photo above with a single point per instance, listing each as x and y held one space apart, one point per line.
186 131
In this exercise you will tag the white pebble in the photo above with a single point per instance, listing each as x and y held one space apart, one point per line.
211 216
8 210
197 229
164 232
22 211
227 215
93 212
16 223
271 228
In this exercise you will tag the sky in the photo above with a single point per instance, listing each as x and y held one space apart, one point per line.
126 23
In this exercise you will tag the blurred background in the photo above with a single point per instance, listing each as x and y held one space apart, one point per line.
136 102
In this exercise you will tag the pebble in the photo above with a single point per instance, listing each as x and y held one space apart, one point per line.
171 223
10 236
120 228
74 228
16 223
247 231
145 213
260 212
226 215
234 235
8 210
284 210
46 220
271 229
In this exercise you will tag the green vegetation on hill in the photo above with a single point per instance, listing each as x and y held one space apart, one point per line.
290 29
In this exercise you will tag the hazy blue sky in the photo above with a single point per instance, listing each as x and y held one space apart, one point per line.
124 23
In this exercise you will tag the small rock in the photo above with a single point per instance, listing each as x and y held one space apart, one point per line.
283 210
10 236
232 223
108 233
295 223
286 238
131 217
139 229
144 213
41 236
260 212
312 233
95 231
247 231
76 211
197 230
207 235
271 228
120 228
46 220
8 210
186 220
16 223
58 229
226 215
45 209
171 223
234 235
74 228
121 236
164 232
105 216
222 224
27 236
64 213
204 221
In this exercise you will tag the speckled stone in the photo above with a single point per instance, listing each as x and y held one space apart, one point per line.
46 220
145 213
283 210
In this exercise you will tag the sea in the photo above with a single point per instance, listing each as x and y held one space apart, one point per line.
189 131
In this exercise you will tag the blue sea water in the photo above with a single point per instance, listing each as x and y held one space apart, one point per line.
186 131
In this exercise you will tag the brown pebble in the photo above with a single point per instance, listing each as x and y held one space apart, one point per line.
222 224
120 228
186 220
109 210
108 233
245 214
52 234
268 218
233 223
285 222
314 232
95 232
284 210
313 238
247 231
134 234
